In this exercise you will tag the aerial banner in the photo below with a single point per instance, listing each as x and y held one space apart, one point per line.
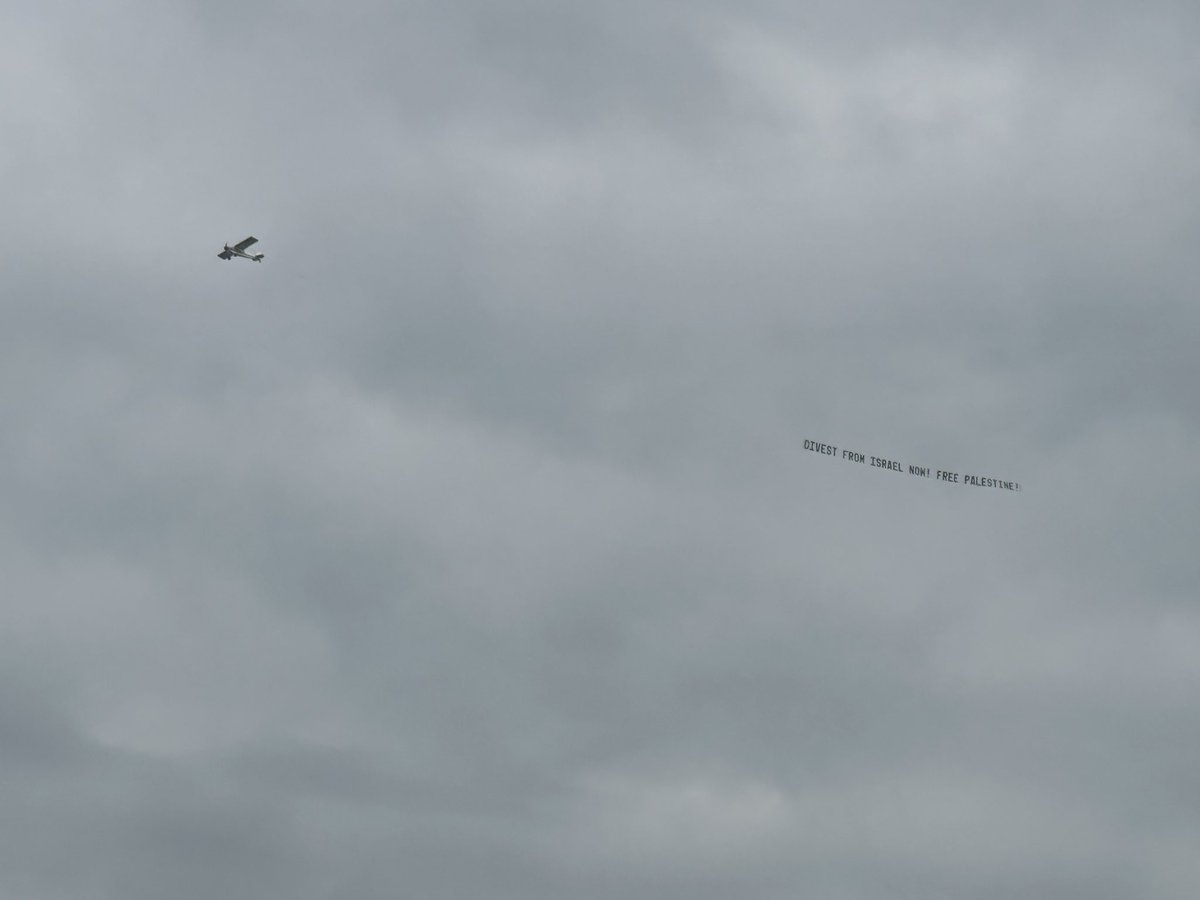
892 465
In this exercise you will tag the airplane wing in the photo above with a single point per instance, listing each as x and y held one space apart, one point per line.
224 254
244 243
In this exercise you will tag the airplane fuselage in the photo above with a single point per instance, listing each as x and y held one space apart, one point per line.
229 252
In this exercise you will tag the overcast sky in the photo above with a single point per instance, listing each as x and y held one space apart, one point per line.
468 547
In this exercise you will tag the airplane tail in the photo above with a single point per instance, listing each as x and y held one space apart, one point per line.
258 257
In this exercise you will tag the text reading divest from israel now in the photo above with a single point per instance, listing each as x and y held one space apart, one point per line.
891 465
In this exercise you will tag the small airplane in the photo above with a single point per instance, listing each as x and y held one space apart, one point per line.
239 249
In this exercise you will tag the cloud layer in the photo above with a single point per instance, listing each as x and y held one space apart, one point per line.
467 547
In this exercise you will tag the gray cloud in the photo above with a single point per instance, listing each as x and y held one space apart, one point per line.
468 546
